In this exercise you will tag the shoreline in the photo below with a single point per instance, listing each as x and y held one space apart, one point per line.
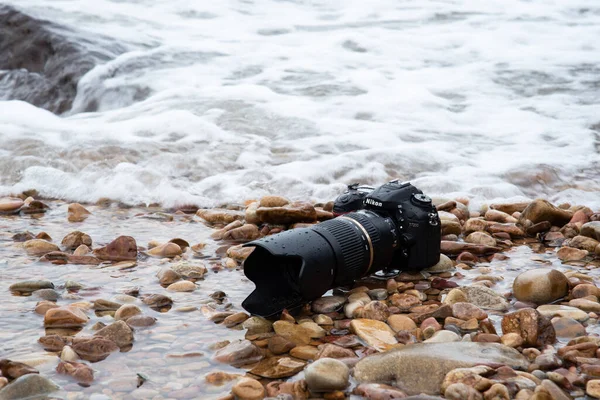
194 252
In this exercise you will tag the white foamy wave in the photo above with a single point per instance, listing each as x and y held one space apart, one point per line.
226 101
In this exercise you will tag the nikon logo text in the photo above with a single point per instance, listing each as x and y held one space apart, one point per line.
373 202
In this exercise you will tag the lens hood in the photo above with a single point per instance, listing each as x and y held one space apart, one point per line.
289 269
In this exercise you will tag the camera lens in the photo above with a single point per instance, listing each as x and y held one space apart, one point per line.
300 265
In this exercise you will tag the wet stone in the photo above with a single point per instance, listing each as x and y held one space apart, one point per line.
248 389
278 367
123 248
566 327
238 353
118 332
280 345
571 254
14 369
421 368
542 210
189 270
326 374
551 310
328 304
467 311
39 247
485 298
94 349
28 386
79 371
535 329
47 294
75 239
65 317
540 286
374 333
256 325
375 391
30 286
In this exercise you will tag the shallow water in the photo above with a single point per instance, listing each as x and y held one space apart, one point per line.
175 332
220 102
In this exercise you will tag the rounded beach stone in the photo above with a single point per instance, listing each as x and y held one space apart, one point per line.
248 389
399 322
327 374
540 286
127 311
592 388
182 286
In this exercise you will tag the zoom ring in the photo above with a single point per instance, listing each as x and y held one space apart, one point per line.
354 246
368 225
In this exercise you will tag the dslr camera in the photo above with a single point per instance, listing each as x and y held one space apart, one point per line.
382 230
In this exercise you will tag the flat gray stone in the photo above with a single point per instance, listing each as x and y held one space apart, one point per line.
26 386
421 368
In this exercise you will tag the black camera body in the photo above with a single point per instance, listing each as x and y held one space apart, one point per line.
392 227
415 220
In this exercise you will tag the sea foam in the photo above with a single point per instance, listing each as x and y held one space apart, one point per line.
225 101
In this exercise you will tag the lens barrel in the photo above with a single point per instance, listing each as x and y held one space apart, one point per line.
300 265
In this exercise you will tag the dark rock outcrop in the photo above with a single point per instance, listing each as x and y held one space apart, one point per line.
41 62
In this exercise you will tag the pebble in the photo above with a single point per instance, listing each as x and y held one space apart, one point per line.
374 333
118 332
297 334
278 367
28 386
535 329
238 353
75 239
540 286
140 321
43 306
541 210
552 310
167 276
248 389
445 264
328 304
585 305
443 336
566 327
65 317
304 352
68 354
182 286
376 310
481 238
322 319
399 322
127 311
592 388
165 250
571 254
189 270
39 247
327 374
591 229
77 213
485 298
467 311
10 206
256 325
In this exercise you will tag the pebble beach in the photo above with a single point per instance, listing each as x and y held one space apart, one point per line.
108 301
